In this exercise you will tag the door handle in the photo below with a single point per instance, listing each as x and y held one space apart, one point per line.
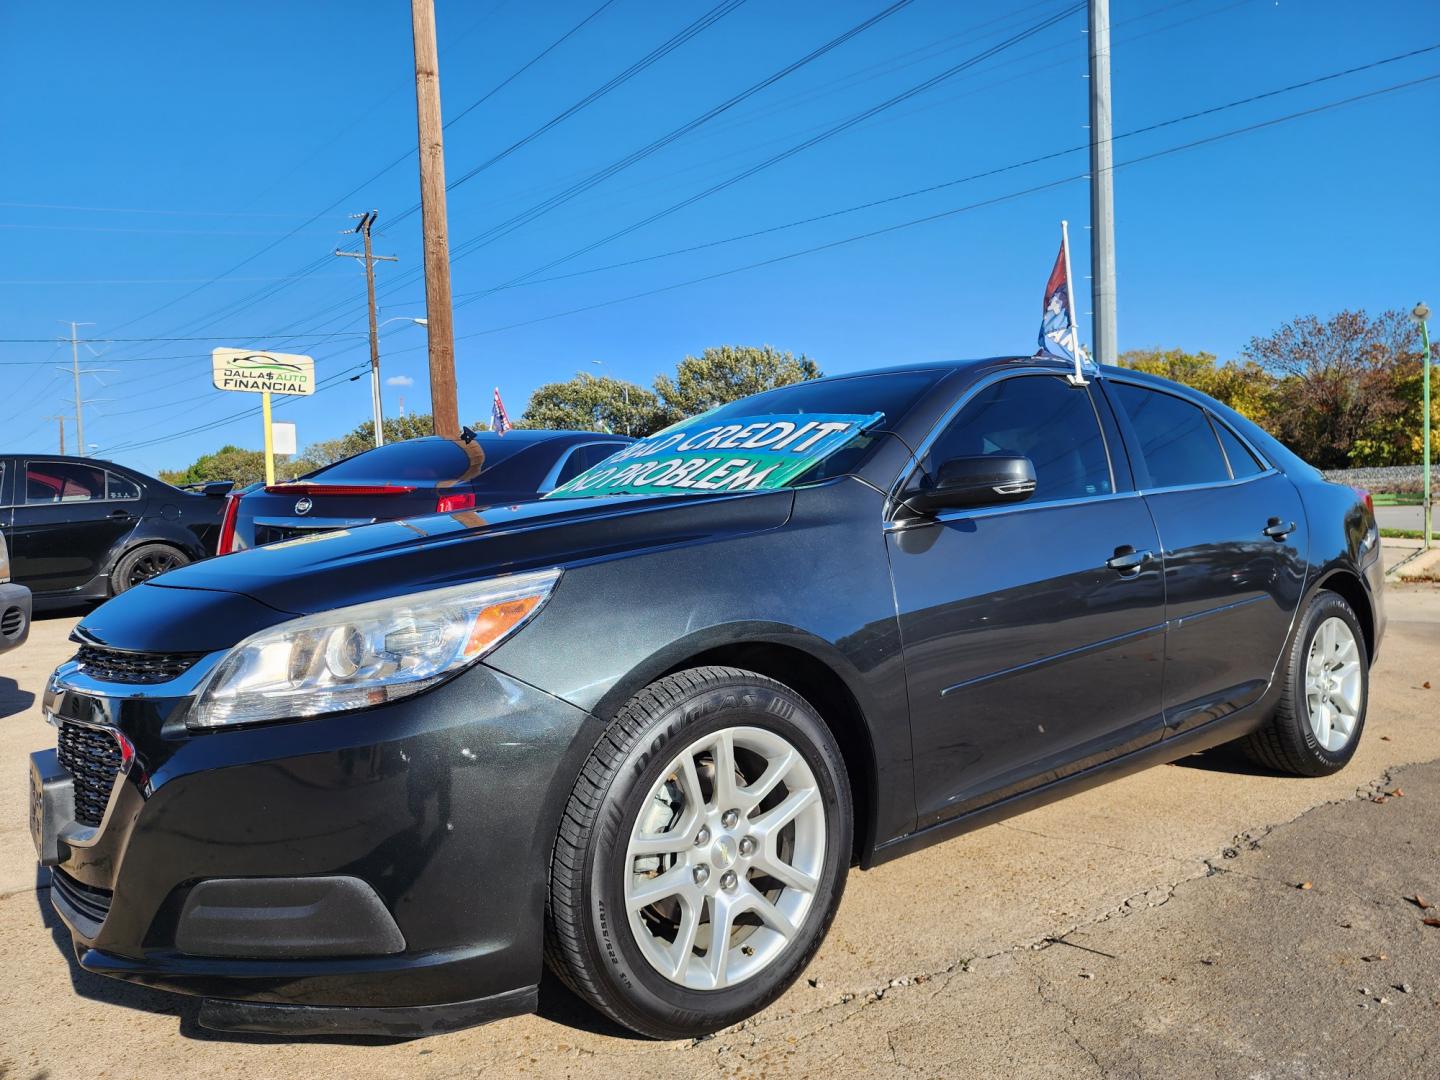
119 513
1277 530
1128 561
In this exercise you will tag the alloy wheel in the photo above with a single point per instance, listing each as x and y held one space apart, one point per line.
725 858
1333 684
152 565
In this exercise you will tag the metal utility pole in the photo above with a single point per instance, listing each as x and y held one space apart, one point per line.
1102 194
366 221
1421 315
75 371
440 328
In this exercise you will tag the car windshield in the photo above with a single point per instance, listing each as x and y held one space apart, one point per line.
426 460
780 438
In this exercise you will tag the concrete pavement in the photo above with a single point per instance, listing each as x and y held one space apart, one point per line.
1174 890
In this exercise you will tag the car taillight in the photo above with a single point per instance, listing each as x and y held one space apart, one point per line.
338 489
227 525
448 504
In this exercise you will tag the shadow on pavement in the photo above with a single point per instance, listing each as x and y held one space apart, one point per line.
12 699
1226 759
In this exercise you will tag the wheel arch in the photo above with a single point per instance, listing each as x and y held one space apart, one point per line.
1348 585
810 668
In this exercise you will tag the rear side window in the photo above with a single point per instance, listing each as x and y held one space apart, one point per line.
120 487
1177 444
63 481
1036 416
1242 461
426 460
585 457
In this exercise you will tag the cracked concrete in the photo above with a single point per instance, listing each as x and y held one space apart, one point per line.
1174 891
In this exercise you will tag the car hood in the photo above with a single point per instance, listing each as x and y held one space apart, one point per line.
190 609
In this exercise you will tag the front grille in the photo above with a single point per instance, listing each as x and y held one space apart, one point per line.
11 621
85 900
92 756
113 665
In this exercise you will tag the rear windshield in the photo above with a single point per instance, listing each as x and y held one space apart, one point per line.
423 460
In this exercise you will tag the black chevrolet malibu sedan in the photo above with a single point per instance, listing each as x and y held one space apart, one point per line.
642 729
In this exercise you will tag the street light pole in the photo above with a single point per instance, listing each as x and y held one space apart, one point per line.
1421 315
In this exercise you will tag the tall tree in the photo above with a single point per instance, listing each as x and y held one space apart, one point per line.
594 403
721 375
228 463
1341 398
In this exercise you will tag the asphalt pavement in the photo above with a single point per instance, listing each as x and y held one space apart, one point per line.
1199 919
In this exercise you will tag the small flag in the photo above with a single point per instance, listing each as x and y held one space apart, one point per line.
1057 322
499 418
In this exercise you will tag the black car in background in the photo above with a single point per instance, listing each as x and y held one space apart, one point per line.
642 729
412 478
81 529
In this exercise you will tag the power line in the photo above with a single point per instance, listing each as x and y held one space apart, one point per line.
931 188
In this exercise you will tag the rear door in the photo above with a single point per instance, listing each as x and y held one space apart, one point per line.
7 496
1233 533
1028 656
66 521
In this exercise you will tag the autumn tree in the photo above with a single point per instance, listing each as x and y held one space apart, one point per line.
721 375
1342 392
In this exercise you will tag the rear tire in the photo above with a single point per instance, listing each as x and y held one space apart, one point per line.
652 818
1321 714
140 564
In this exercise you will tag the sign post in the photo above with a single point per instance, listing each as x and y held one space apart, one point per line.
263 373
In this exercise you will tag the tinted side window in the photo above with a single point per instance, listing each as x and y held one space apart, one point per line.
1242 461
585 457
1040 417
63 481
120 487
1177 444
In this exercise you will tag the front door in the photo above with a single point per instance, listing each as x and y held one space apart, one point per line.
1028 655
65 524
1233 531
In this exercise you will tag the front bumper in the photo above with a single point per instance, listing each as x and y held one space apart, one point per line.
386 867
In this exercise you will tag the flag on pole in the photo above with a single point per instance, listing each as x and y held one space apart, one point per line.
499 418
1057 321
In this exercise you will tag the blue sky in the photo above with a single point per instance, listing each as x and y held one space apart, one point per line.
151 148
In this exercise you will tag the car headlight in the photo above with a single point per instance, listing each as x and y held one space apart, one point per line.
354 657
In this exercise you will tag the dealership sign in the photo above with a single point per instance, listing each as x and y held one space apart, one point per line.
263 372
747 453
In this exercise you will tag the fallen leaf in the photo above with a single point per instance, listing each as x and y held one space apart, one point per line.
1378 798
1425 686
1420 902
1431 921
1372 959
1305 885
1397 794
1384 738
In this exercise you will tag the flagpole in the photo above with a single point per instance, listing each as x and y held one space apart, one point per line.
1079 377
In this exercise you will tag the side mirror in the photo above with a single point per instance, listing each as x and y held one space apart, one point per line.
217 489
991 480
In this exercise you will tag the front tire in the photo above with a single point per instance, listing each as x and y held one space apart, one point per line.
702 854
1321 714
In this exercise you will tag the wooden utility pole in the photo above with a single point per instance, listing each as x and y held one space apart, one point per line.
366 221
440 325
60 420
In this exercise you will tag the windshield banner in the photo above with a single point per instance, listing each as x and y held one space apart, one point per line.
747 453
